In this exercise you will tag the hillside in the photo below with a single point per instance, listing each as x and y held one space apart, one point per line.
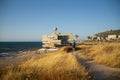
109 32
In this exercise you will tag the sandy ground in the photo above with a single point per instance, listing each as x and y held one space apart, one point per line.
100 72
18 58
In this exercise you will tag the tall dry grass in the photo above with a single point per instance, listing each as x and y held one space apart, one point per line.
105 53
53 66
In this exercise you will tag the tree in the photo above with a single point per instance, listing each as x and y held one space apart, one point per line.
89 37
76 36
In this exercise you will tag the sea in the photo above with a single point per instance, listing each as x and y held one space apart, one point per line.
9 49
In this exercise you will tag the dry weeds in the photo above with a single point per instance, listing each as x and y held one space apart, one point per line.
53 66
105 53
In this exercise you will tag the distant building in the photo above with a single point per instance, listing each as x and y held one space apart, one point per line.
112 37
57 39
119 36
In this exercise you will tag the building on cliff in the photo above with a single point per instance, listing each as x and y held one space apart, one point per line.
57 39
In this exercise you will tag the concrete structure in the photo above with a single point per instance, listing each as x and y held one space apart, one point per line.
57 39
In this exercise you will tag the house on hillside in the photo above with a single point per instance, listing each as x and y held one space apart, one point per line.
112 37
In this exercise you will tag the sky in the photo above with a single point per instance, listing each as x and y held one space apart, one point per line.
28 20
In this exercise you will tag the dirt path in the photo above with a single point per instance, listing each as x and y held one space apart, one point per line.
100 72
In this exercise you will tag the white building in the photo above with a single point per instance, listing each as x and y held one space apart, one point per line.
57 39
112 37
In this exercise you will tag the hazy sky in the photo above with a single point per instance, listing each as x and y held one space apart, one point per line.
28 20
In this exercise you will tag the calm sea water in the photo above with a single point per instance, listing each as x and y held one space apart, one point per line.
8 49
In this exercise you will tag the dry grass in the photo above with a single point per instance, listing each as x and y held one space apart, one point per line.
53 66
68 49
105 53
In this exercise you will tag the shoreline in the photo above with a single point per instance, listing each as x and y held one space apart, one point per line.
23 55
11 54
17 58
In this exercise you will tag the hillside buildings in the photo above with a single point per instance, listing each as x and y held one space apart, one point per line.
112 35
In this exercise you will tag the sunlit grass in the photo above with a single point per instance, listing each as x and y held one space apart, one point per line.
105 53
57 65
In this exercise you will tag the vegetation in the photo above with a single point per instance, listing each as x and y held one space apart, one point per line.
61 65
110 32
57 65
104 53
